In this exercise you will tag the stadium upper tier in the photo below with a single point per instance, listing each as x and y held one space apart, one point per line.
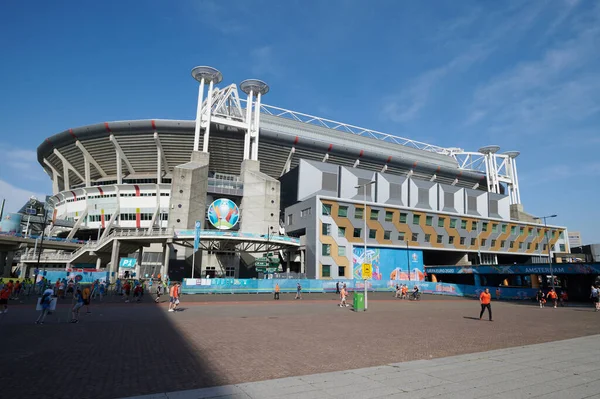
138 143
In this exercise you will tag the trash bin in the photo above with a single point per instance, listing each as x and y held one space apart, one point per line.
359 301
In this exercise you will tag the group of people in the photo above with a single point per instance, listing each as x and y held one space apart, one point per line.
553 297
402 292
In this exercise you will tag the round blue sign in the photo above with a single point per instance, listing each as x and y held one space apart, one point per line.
223 214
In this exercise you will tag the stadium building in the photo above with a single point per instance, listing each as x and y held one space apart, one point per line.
319 197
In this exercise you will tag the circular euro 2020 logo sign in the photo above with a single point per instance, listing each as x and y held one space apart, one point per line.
223 214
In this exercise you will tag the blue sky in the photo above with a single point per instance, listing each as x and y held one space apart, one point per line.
524 75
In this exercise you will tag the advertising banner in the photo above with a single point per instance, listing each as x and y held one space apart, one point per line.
557 268
389 263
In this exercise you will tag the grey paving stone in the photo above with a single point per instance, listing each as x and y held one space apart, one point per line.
206 393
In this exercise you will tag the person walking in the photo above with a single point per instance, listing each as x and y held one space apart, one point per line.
485 299
552 297
276 293
45 303
4 295
498 293
595 296
343 294
173 297
87 297
159 289
298 291
78 299
337 287
540 298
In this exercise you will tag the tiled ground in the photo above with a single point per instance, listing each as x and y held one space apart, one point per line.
131 349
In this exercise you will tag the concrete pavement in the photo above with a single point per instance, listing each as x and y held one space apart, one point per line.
561 369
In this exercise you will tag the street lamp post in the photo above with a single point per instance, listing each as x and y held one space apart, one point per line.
548 245
364 186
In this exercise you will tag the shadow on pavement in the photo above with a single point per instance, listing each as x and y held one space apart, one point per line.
117 351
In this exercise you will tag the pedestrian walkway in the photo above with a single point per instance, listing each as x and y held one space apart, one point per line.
561 369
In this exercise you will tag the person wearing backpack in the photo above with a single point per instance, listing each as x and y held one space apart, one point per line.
45 303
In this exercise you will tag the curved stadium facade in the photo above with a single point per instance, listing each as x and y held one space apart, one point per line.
290 174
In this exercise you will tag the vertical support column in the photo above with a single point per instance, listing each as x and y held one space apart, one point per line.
208 112
302 268
198 115
166 255
114 260
516 182
66 183
98 263
287 266
158 164
138 265
86 165
256 127
249 123
119 168
55 189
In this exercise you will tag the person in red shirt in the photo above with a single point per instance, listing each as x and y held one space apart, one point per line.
4 295
485 300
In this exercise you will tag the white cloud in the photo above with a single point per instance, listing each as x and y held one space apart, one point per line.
16 197
21 162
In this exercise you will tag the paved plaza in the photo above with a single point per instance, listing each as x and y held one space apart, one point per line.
129 349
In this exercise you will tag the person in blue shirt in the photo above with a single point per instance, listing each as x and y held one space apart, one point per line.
78 299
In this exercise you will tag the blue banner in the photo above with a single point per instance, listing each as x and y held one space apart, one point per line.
557 268
128 262
253 286
197 236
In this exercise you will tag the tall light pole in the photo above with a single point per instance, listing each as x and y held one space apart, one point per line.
364 187
548 245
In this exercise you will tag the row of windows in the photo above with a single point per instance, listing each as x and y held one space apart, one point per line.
130 181
112 196
127 217
416 220
326 271
357 233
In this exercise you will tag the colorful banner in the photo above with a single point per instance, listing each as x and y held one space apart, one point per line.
11 223
79 276
557 268
253 286
389 263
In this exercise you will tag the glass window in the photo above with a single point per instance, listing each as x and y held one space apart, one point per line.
387 234
401 236
539 231
372 233
326 271
537 246
357 232
513 230
415 237
473 241
341 232
416 219
494 227
374 214
493 243
530 232
521 230
402 217
473 225
325 229
452 223
484 226
326 209
326 249
358 213
528 245
343 211
389 216
545 247
512 244
483 242
503 244
290 220
342 271
427 237
562 247
450 239
440 238
520 245
341 251
428 220
441 222
553 233
504 228
462 241
463 224
304 213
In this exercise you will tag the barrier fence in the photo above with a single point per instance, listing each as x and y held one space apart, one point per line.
253 286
